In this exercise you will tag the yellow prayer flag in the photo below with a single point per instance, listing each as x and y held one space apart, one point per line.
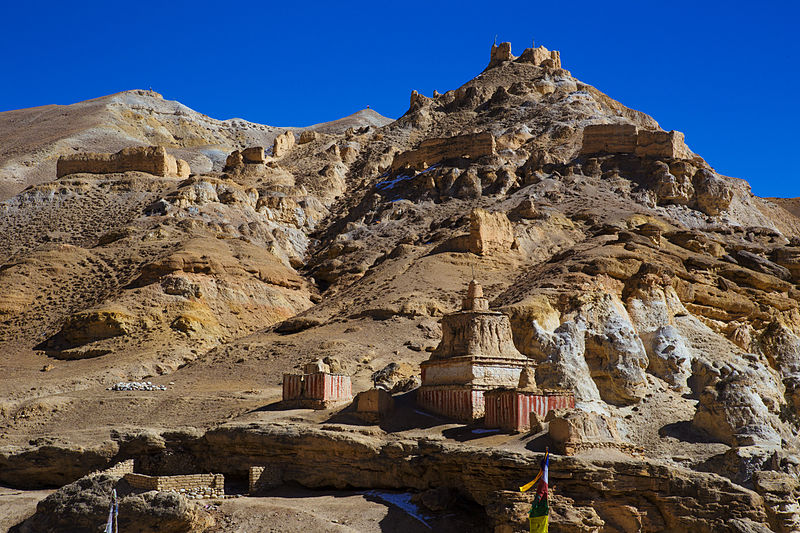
527 486
539 523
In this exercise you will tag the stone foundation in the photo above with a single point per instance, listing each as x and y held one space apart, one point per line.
316 391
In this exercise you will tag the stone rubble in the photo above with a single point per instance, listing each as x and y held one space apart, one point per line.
136 385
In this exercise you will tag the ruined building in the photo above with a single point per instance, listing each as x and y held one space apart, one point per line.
476 354
151 159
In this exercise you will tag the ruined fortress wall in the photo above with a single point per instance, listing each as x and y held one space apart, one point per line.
432 151
628 139
151 159
661 144
215 482
610 138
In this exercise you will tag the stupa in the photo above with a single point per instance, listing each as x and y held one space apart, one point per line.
476 354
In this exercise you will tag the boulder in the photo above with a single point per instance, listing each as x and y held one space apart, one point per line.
669 358
574 431
669 188
712 194
734 413
396 377
254 154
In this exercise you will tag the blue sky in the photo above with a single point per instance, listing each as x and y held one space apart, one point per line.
725 73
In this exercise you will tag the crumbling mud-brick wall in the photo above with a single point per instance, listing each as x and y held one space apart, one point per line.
432 151
628 139
151 159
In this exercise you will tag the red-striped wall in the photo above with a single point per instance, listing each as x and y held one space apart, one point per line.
511 410
292 386
326 387
461 404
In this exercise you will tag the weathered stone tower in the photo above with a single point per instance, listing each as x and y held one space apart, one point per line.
476 354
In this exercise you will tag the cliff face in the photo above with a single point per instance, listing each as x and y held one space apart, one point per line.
662 293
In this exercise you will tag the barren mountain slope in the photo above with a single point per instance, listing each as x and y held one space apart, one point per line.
662 293
32 139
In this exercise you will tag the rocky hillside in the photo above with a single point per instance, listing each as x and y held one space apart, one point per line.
33 139
664 294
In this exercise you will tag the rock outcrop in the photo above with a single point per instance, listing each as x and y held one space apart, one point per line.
490 233
151 159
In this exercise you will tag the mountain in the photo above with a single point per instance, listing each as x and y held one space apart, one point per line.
32 139
662 294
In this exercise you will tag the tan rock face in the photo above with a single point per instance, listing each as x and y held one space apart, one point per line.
432 151
151 159
574 431
283 144
490 233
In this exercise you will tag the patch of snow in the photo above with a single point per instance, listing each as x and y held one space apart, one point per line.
402 501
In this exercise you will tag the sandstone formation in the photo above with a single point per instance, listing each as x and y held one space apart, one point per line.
489 233
151 159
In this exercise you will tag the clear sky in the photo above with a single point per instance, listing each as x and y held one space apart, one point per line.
725 73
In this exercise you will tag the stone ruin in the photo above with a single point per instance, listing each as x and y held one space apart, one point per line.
431 151
316 388
283 144
373 405
539 56
192 485
476 355
189 485
150 159
628 139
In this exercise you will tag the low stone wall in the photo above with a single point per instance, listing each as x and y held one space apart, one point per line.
119 469
214 482
151 159
432 151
